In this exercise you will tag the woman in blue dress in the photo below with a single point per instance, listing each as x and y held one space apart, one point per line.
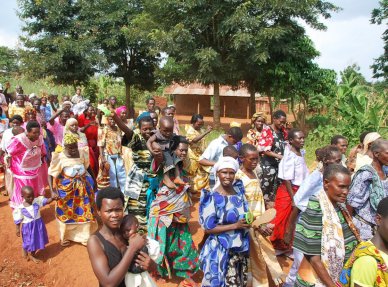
224 255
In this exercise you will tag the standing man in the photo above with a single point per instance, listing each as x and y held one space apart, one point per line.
342 143
77 98
150 102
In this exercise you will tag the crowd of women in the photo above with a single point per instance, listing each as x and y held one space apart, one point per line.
123 187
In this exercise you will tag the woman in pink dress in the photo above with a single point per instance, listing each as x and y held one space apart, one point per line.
27 151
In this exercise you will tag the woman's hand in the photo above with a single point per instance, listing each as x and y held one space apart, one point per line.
265 230
137 241
241 224
145 262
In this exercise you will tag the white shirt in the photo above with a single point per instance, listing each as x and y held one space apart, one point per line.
293 167
6 140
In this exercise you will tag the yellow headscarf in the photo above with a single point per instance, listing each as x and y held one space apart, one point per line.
70 138
257 115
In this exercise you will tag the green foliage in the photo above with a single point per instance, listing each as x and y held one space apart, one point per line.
356 108
8 60
380 16
56 45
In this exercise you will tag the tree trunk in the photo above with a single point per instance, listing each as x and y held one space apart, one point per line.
216 107
252 102
127 93
270 104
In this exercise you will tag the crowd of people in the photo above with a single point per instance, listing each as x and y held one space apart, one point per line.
123 186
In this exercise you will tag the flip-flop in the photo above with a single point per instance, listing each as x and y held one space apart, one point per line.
65 243
266 217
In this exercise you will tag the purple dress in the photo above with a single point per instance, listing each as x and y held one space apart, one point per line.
33 231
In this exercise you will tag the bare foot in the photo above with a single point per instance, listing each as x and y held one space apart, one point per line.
34 259
24 254
179 181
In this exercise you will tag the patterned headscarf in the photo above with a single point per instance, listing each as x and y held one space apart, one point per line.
70 138
119 110
256 116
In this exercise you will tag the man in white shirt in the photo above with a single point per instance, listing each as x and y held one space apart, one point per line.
77 98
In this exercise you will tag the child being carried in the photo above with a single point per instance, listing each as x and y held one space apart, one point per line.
165 141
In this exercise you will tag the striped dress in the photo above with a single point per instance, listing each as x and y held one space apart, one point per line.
309 232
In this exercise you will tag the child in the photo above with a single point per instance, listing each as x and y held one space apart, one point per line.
292 171
166 140
136 277
261 253
29 223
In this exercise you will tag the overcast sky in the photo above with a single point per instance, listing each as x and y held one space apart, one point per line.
349 38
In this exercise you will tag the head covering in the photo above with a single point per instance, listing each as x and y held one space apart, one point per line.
235 125
119 110
29 109
67 103
69 122
31 96
257 115
370 138
226 162
70 138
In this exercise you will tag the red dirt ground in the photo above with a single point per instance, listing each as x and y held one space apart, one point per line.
61 266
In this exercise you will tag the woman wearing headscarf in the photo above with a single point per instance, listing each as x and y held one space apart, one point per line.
257 124
122 112
366 157
75 208
369 187
224 256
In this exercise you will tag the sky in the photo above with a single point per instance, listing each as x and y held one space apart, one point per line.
350 37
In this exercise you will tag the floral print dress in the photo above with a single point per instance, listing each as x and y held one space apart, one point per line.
224 256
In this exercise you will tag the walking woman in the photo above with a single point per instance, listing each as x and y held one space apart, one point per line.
88 125
75 208
27 152
271 144
196 137
224 256
369 187
257 125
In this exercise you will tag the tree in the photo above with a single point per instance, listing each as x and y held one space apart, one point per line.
117 28
379 16
8 60
55 44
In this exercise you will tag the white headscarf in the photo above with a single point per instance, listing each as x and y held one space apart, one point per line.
370 138
222 163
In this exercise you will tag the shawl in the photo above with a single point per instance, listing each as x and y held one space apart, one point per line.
266 139
121 109
32 157
376 189
333 243
365 248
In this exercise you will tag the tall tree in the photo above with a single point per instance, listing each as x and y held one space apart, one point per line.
379 16
117 28
8 60
55 43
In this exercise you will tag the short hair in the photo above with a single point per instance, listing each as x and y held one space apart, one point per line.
145 119
382 207
378 144
195 118
327 151
319 154
333 169
31 125
278 114
149 99
336 138
230 150
164 119
165 109
292 133
183 140
245 148
109 192
16 117
17 130
128 220
363 135
236 133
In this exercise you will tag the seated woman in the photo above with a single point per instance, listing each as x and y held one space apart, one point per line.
224 256
109 253
325 233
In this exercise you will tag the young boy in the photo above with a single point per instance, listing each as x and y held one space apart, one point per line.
165 140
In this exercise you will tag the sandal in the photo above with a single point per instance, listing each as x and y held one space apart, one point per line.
266 217
65 243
